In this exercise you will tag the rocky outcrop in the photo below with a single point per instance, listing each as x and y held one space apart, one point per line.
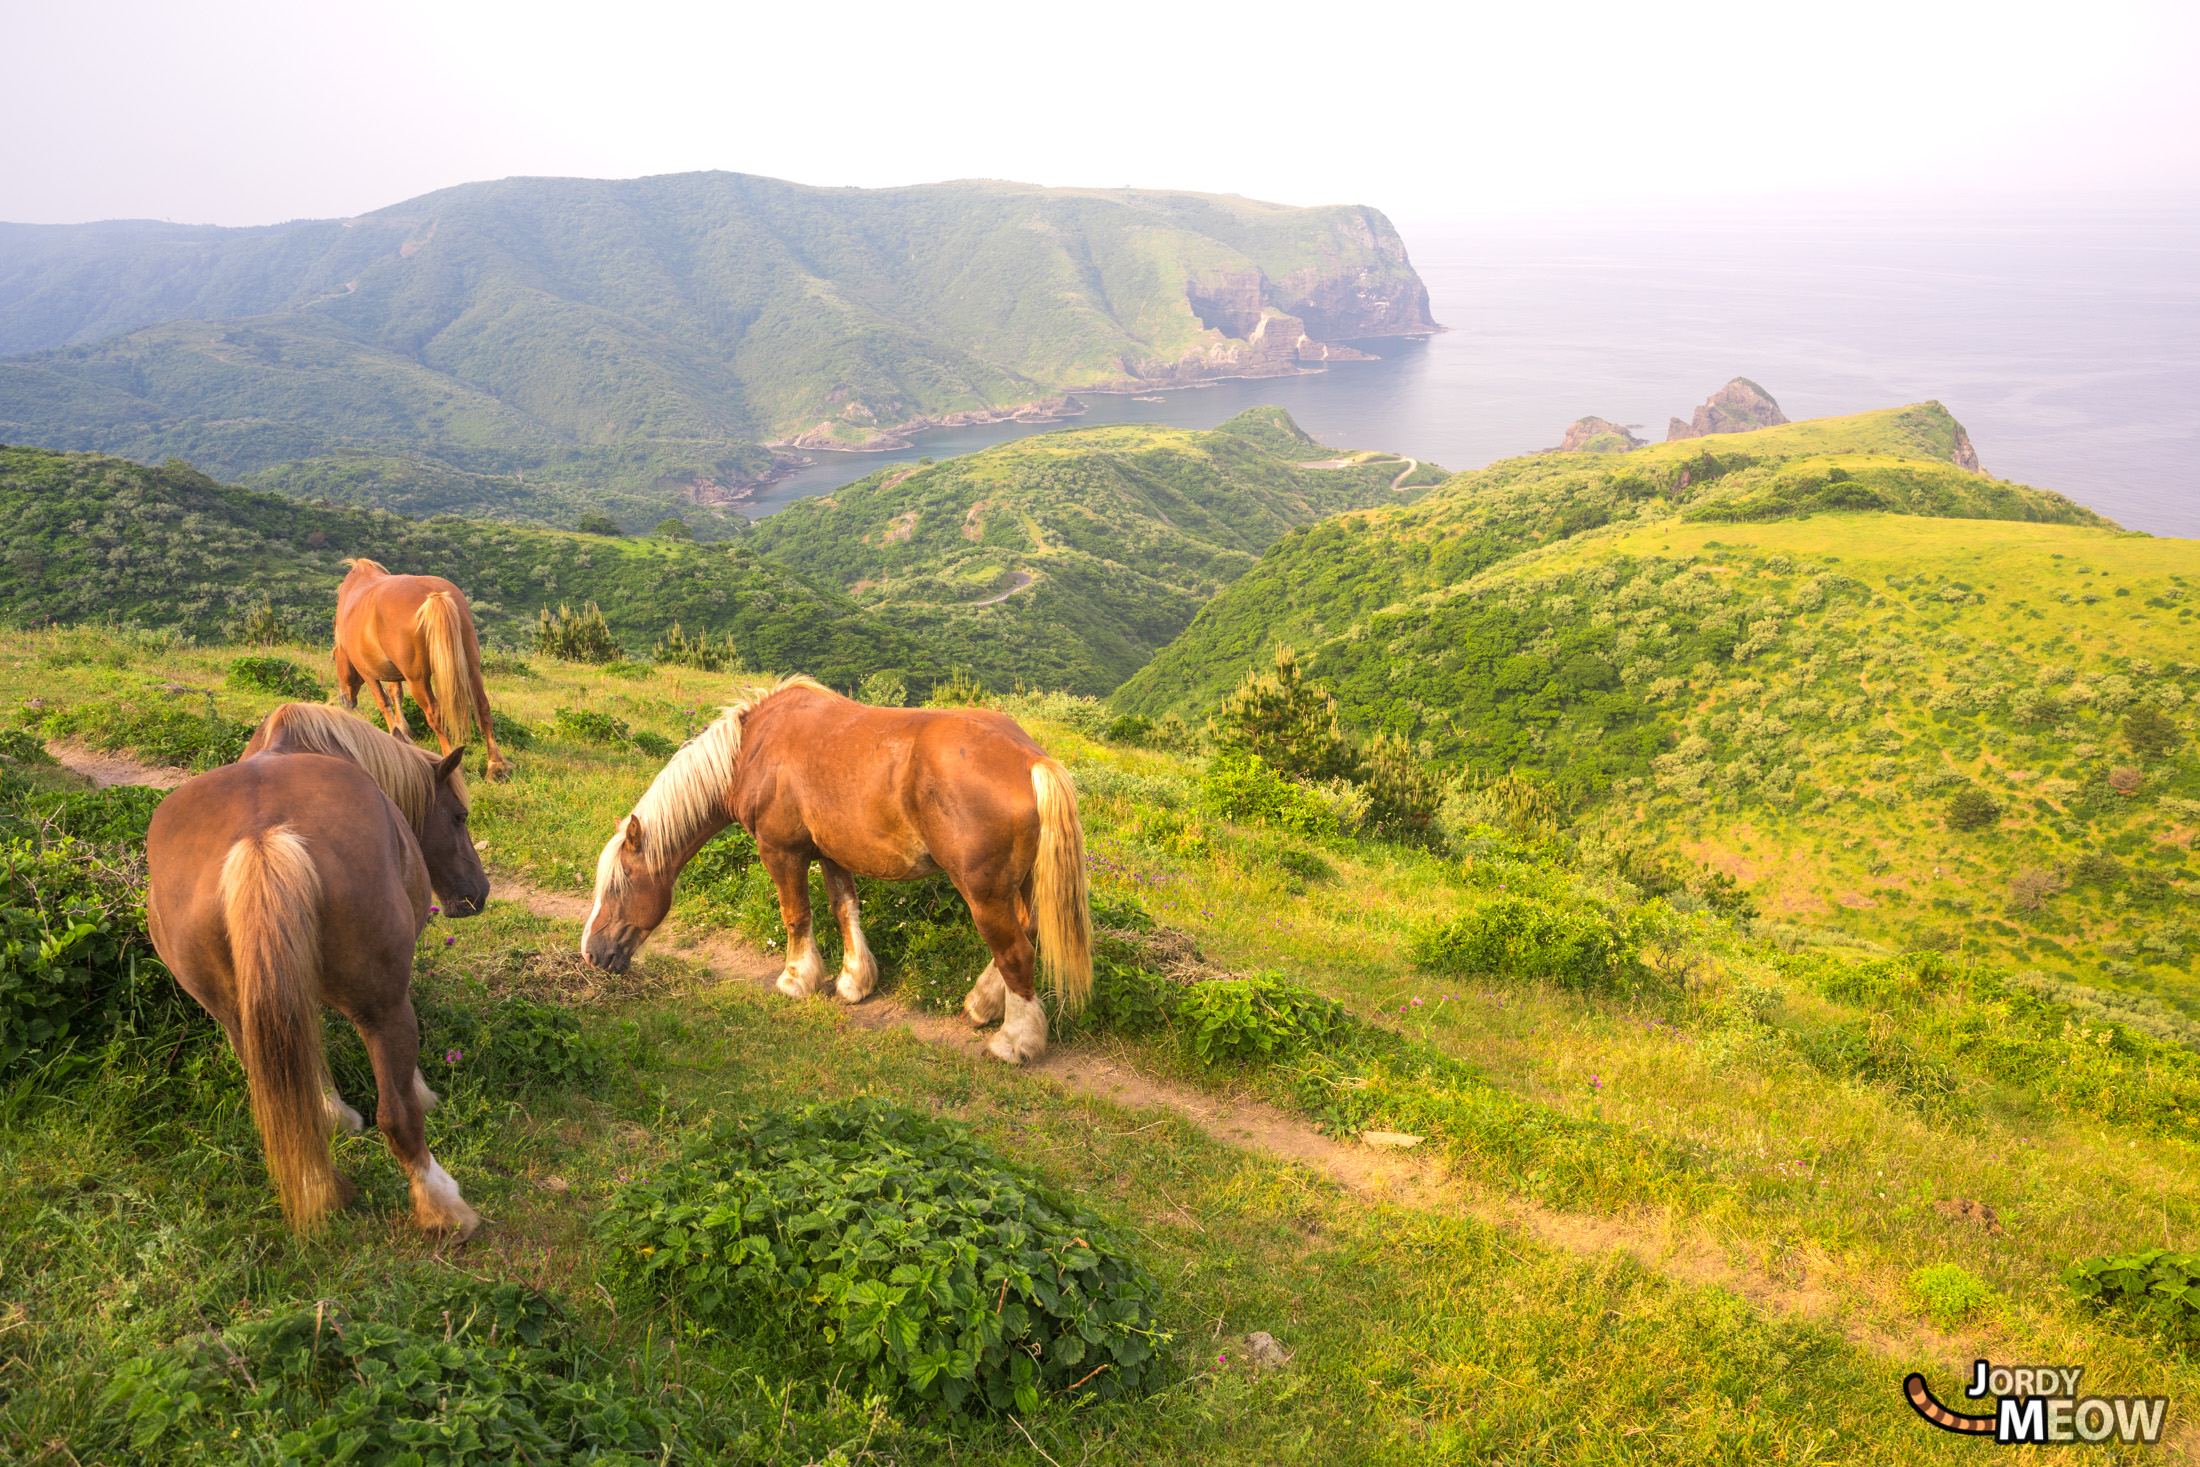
1596 435
1966 457
1739 407
840 434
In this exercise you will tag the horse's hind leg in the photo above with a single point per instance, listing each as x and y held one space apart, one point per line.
403 1100
437 721
858 969
348 680
1022 1036
394 720
790 873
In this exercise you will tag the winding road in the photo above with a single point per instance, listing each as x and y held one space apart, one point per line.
1023 579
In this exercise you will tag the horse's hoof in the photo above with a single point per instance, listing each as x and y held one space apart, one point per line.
852 991
498 773
791 986
1009 1049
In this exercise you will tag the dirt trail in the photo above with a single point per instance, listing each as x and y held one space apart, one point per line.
1680 1248
105 770
1411 465
1022 579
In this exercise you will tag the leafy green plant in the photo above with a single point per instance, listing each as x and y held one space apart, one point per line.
1259 1019
264 626
511 732
673 529
1972 808
598 524
884 690
169 735
2157 1289
2152 734
958 690
1240 786
575 637
893 1245
20 747
73 953
115 816
655 745
1949 1293
493 1384
633 672
586 726
1287 723
516 1043
1521 938
277 675
1133 729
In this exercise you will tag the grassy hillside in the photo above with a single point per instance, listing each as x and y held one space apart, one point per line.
1721 1196
1797 700
1065 559
531 323
91 538
1319 584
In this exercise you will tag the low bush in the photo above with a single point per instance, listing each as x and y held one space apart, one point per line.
1873 1052
575 637
585 726
1972 808
277 675
74 957
655 745
1260 1019
2158 1290
884 690
494 1380
115 816
176 736
633 672
1239 786
511 732
516 1043
1517 937
894 1247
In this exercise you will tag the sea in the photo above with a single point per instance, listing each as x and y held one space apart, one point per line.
2066 339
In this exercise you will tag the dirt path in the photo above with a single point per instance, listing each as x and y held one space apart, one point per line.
1411 465
1022 578
1678 1247
106 770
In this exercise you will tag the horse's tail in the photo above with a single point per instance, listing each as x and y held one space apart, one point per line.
1058 896
271 903
442 626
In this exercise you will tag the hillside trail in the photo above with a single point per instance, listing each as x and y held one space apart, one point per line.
1403 474
1678 1248
107 770
1022 579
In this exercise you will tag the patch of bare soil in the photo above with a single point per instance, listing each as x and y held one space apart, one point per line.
1661 1241
107 770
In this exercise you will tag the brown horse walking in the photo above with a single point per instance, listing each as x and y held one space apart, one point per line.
299 876
890 793
416 631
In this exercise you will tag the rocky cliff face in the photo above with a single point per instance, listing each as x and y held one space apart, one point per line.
1596 435
1304 318
1966 457
1739 407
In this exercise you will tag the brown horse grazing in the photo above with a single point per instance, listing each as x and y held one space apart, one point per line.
294 878
890 793
417 631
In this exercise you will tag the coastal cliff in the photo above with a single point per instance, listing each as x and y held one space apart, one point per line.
1739 407
1598 435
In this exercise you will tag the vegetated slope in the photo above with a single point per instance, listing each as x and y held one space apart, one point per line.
536 323
1064 559
1318 585
1789 711
94 538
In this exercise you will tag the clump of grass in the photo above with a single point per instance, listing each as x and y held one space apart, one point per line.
1949 1294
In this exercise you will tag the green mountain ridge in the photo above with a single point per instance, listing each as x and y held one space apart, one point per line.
101 539
1067 559
641 337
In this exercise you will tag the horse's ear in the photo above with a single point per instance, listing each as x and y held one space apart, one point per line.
632 830
449 762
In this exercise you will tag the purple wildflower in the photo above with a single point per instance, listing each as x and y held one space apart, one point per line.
453 1056
448 941
435 911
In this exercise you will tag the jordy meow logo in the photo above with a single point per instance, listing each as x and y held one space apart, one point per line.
2040 1404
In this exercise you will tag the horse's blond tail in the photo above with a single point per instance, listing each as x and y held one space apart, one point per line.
441 624
271 903
1060 904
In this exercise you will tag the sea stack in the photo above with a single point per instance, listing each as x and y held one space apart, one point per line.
1598 435
1739 407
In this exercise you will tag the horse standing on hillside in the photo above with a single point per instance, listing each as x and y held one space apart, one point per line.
416 631
891 793
299 876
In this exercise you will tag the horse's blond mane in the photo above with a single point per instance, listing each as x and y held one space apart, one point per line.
685 792
373 565
405 772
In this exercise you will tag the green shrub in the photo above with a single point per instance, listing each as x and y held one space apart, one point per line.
702 654
2152 734
1239 786
655 745
1133 729
1875 1053
277 675
1949 1293
586 726
884 690
415 716
570 637
597 524
960 690
489 1382
2157 1289
74 958
633 672
20 747
264 626
516 1043
894 1247
511 733
1259 1019
116 815
1404 793
1971 808
1518 937
673 529
504 664
1286 723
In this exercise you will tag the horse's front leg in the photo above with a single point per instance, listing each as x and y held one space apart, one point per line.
858 969
1001 921
424 695
390 716
790 873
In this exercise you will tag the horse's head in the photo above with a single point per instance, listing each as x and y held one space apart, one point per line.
447 844
633 894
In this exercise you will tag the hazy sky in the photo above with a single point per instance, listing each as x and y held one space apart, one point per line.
252 112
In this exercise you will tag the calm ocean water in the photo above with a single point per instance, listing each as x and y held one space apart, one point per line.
2067 342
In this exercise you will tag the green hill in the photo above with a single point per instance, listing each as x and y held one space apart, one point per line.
1065 559
1797 699
94 538
644 335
